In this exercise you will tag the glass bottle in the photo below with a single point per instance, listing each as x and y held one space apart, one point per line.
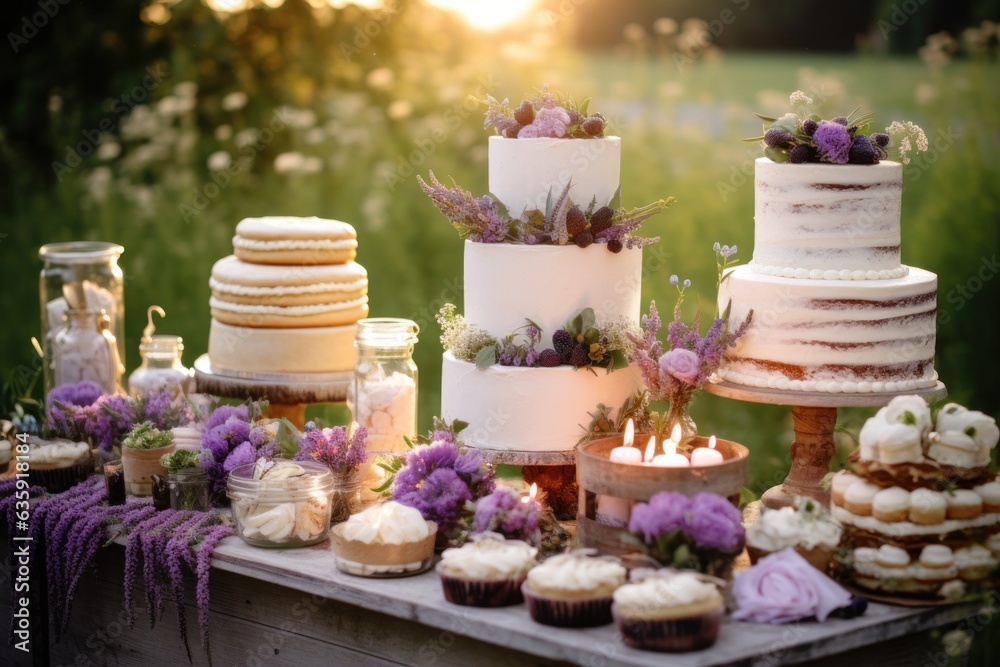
85 350
80 275
161 367
383 396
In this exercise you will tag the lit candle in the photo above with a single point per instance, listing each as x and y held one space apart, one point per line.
627 453
670 458
650 450
706 456
532 492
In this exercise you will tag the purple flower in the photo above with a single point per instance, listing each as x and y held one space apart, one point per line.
165 410
331 447
495 228
833 141
243 454
714 523
684 365
664 513
79 394
223 413
468 462
548 122
502 511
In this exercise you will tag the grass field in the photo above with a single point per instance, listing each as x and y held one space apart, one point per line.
680 130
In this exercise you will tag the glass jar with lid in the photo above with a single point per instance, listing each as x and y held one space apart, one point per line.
85 349
161 368
383 395
80 276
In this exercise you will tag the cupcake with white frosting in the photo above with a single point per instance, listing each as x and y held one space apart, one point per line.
669 612
807 528
58 464
385 540
486 572
573 590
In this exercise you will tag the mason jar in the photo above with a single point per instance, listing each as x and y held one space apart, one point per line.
383 396
85 350
189 490
161 368
80 275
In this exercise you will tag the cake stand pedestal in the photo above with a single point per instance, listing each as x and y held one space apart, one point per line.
288 395
814 417
554 472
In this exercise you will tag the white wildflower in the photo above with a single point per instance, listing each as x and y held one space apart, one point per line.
289 162
908 134
219 160
109 150
246 136
224 132
380 79
799 98
235 101
399 109
186 89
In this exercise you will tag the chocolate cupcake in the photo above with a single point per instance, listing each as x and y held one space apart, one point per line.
486 572
58 464
671 612
573 590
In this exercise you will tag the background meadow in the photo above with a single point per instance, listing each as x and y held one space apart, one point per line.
332 109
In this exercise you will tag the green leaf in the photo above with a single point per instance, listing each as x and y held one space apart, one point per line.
587 319
486 357
766 119
788 124
458 426
575 326
591 336
592 207
584 106
909 418
775 154
384 487
815 116
619 359
682 556
753 139
616 200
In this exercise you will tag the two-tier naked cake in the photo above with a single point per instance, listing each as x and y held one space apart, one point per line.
288 300
834 309
560 250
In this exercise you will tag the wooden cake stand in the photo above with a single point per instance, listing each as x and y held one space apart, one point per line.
554 472
287 394
814 416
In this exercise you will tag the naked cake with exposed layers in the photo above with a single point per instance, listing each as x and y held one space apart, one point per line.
288 299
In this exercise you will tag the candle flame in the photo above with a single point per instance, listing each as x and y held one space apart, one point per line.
629 433
675 435
670 447
650 450
532 492
711 442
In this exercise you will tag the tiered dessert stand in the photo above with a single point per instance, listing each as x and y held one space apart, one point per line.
288 395
814 417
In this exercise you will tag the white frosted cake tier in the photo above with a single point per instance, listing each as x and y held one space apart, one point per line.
305 350
828 221
523 171
832 335
506 283
528 409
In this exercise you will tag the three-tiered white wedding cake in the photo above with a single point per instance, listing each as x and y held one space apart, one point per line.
542 409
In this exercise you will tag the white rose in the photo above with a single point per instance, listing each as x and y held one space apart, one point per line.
909 410
981 428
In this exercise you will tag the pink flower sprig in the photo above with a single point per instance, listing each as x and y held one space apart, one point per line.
332 447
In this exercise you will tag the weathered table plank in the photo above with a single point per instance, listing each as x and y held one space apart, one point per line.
293 607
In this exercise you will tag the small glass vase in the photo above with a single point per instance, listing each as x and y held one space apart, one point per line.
346 498
189 490
677 415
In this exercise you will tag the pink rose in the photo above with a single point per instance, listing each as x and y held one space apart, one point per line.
784 587
682 364
549 122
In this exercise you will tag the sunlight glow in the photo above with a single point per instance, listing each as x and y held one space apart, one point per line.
487 14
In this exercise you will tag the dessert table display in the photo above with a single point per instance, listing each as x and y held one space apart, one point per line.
252 508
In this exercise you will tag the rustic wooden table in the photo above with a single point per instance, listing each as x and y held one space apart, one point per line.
293 607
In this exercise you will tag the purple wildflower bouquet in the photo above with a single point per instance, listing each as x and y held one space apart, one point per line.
346 457
675 372
81 411
546 114
805 137
439 476
703 532
235 435
505 512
